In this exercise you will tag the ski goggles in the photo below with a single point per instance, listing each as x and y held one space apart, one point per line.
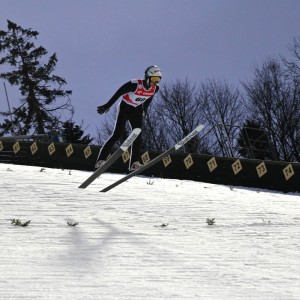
155 79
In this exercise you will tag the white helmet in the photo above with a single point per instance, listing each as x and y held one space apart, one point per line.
152 71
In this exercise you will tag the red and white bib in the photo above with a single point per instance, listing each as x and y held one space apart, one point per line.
140 95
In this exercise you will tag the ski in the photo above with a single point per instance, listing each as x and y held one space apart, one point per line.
157 159
126 144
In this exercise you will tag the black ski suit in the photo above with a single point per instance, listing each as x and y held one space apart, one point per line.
127 112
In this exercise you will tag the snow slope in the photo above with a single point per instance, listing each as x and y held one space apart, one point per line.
146 239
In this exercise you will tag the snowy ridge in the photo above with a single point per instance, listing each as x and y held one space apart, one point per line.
147 239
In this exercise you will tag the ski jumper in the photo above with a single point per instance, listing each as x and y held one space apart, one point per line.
136 98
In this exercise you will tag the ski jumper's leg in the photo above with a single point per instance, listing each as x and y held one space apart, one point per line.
116 135
136 121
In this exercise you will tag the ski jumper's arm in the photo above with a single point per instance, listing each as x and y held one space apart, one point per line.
124 89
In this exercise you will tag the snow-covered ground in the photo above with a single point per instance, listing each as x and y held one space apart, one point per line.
146 239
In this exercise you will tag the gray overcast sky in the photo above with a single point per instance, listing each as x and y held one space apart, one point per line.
102 44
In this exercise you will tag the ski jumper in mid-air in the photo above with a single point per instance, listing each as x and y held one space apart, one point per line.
136 98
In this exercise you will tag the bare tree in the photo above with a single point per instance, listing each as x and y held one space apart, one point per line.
222 108
293 65
180 113
274 102
153 135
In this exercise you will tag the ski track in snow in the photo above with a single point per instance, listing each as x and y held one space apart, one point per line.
121 250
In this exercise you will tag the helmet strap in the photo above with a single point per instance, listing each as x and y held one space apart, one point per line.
147 81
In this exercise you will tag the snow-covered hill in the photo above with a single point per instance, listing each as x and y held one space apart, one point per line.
146 239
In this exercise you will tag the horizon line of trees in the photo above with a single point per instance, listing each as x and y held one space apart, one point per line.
259 120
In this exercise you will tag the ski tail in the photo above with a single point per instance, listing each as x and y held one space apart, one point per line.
186 139
125 145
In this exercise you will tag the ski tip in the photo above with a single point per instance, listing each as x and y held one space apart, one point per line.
133 135
199 127
189 136
137 130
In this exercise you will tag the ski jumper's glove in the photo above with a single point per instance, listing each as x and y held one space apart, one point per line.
102 109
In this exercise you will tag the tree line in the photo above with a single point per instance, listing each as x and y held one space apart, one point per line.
260 119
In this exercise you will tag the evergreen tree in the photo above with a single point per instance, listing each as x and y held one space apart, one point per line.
74 134
39 88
